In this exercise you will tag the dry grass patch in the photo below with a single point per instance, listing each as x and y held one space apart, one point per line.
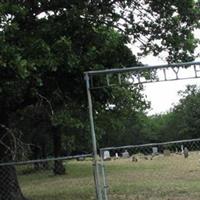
163 178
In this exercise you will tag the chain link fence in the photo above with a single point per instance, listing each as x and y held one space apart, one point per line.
69 178
167 171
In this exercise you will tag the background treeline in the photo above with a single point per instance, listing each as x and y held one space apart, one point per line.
181 122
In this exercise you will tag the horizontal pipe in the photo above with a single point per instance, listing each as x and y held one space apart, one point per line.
45 160
150 144
142 67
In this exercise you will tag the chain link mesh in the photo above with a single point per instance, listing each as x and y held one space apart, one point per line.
166 171
169 171
69 178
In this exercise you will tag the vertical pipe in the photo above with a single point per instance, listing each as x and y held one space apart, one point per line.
105 185
107 80
95 155
119 79
195 71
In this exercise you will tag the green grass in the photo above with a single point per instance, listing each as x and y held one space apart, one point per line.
166 178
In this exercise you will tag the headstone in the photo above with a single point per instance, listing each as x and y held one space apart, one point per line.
186 152
155 150
80 158
106 155
116 155
166 152
125 154
182 149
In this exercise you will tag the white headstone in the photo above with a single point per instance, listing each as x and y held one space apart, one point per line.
186 152
125 154
106 155
182 149
155 150
116 155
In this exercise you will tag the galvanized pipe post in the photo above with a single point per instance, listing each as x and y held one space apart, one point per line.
95 154
105 185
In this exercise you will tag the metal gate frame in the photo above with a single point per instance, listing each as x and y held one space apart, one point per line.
99 173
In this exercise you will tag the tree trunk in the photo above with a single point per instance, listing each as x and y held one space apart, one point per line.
35 151
45 165
9 185
59 168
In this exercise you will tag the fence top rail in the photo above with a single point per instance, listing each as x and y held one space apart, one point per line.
142 67
45 160
149 145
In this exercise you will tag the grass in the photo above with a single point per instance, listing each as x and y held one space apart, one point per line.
166 178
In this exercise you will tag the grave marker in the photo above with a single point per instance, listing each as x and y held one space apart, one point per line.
125 154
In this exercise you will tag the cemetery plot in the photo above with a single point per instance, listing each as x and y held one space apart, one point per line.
153 172
147 174
168 171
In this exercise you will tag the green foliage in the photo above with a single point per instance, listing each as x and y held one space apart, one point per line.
45 46
182 122
122 121
188 112
159 128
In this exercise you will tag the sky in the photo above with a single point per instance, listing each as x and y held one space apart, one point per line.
164 95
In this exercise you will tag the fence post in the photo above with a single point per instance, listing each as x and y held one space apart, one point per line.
105 185
95 155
